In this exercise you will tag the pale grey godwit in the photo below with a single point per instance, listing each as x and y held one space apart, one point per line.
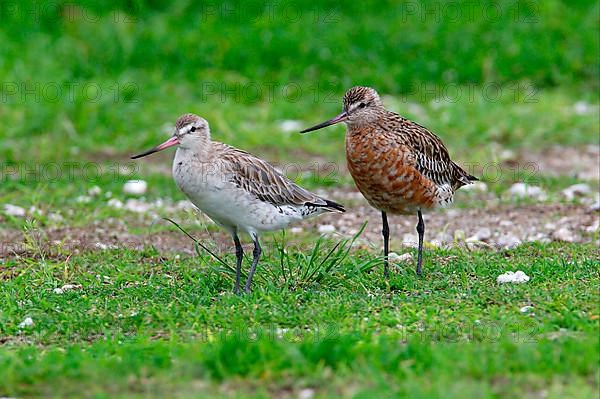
399 166
237 190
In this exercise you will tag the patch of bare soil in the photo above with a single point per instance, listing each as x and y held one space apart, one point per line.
582 163
494 227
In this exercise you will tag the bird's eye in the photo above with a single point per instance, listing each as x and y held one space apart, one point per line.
193 129
362 105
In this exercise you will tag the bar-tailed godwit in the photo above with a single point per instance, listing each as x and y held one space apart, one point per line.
399 166
237 190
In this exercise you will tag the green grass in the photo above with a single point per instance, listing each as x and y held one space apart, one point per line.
142 318
113 74
86 84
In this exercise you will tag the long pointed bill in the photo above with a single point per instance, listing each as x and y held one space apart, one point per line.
169 143
340 118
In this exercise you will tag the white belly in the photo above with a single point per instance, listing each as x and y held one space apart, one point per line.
213 193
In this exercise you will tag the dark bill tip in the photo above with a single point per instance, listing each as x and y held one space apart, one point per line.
169 143
340 118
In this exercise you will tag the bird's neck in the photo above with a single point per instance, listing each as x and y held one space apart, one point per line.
198 147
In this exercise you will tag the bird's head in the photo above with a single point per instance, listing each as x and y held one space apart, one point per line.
361 105
190 131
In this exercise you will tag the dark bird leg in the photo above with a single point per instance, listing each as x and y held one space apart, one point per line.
256 255
239 254
421 231
385 231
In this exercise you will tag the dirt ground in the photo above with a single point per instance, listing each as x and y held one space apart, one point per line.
495 225
496 228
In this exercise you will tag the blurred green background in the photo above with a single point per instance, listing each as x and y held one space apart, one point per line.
86 84
99 80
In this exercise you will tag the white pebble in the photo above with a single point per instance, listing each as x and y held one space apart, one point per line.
55 217
576 190
67 287
135 187
137 206
28 322
509 277
508 241
593 227
326 228
525 309
94 191
296 230
33 210
306 393
291 125
582 107
483 234
14 210
404 258
477 186
524 190
564 234
115 203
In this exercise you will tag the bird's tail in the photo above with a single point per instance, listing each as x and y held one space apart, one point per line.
463 177
330 206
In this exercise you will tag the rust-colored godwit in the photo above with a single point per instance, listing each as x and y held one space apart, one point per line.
237 190
399 166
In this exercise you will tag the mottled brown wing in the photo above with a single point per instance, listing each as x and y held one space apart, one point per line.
259 178
431 155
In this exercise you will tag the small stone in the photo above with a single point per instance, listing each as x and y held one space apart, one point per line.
115 203
326 228
291 125
510 277
595 207
33 210
404 258
28 322
539 237
94 191
14 210
306 393
477 186
582 108
508 241
101 246
506 154
296 230
564 234
483 234
55 217
135 187
83 199
524 190
526 309
593 227
68 287
576 190
137 206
